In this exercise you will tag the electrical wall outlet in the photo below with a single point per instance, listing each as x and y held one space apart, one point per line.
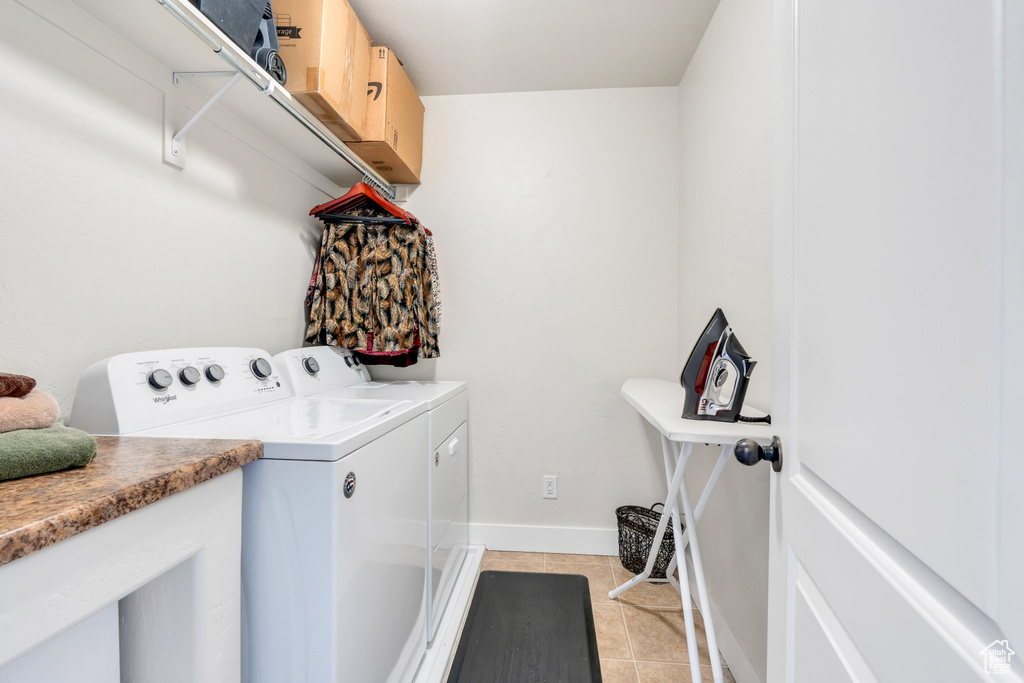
551 486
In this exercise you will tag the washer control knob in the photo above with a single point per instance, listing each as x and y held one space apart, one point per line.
261 368
310 365
189 376
160 379
214 373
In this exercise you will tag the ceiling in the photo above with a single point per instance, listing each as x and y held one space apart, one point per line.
456 47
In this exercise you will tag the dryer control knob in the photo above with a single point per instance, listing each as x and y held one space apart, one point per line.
310 365
214 373
261 368
189 376
160 379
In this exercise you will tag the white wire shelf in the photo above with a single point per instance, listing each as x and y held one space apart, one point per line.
177 35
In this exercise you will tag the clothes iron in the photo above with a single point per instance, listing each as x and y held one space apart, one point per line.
716 374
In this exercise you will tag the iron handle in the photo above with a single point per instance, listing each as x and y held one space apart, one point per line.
750 452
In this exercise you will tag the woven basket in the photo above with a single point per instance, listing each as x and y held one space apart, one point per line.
637 526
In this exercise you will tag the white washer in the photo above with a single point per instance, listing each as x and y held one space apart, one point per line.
334 514
326 371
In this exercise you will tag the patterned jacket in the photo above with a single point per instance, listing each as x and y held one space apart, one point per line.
373 289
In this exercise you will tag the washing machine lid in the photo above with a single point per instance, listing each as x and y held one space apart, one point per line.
301 428
432 394
324 371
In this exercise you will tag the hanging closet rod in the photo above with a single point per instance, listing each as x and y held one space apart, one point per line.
386 190
245 66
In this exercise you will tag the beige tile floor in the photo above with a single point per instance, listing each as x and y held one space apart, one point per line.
641 637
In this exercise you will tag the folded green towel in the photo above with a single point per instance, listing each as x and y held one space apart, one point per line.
25 452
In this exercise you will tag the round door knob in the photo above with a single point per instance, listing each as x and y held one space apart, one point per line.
750 452
310 365
261 368
214 373
189 376
160 379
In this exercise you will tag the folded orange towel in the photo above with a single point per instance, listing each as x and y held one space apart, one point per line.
37 410
15 385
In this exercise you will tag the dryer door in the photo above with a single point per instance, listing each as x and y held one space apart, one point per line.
449 530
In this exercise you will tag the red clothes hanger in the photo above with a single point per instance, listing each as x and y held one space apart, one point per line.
361 196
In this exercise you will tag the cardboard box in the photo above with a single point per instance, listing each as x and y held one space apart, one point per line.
327 53
393 129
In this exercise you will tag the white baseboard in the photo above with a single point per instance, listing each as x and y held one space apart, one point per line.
735 658
545 539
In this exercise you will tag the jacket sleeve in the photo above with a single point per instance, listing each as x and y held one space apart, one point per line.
315 293
428 324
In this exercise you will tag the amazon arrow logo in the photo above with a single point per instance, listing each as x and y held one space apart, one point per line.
375 88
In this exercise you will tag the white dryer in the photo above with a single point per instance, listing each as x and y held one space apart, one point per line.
324 371
334 514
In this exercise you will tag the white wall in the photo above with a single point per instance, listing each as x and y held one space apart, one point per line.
555 216
103 248
725 248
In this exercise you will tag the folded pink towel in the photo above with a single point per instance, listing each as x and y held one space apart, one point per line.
15 385
37 410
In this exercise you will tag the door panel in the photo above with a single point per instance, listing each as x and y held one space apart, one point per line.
811 604
890 519
1009 601
881 598
896 315
819 659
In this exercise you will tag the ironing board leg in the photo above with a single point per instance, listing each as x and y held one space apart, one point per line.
681 456
716 473
698 574
676 456
672 564
676 478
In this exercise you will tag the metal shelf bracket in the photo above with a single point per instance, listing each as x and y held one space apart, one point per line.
389 193
174 144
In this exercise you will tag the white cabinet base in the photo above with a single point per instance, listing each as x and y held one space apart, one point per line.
86 653
177 561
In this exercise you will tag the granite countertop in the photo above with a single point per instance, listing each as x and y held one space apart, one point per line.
128 473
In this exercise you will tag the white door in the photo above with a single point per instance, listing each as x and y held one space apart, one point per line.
897 523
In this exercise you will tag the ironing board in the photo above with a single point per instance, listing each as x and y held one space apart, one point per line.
660 402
